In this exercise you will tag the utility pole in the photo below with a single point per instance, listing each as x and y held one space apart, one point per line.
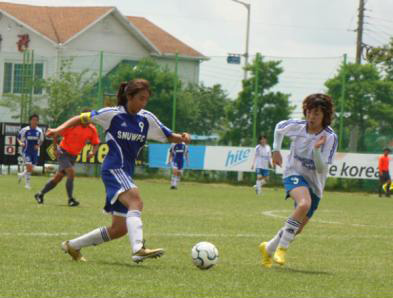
359 30
246 54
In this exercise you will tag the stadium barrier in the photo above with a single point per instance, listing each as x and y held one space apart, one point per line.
239 159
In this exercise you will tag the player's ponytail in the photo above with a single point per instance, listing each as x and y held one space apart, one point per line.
131 88
121 95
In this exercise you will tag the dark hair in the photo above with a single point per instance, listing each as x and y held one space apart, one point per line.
323 101
386 149
131 88
262 137
34 116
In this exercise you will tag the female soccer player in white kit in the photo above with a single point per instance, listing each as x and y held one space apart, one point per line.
127 127
262 163
313 147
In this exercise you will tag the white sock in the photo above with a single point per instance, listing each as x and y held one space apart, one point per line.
27 178
175 180
259 185
135 229
273 243
94 237
173 183
290 229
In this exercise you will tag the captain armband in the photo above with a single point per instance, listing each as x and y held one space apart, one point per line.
85 118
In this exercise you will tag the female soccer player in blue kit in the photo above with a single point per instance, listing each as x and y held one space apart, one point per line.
127 127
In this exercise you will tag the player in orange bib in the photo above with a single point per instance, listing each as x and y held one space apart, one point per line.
74 139
384 176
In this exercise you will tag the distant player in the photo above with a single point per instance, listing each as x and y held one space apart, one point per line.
74 139
127 127
30 138
313 148
384 176
178 153
262 163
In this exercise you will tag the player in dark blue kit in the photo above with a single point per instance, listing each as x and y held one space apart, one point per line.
127 127
30 138
177 154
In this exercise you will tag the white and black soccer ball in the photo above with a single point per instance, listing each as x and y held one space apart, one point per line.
204 255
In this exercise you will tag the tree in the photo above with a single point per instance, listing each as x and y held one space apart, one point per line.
68 94
198 108
368 103
383 58
206 105
272 106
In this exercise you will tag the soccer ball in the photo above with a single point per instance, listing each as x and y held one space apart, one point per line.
204 255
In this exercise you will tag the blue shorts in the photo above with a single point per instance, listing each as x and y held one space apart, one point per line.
293 182
178 164
116 182
262 172
30 157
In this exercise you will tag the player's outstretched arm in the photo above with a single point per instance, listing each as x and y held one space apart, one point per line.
179 138
69 123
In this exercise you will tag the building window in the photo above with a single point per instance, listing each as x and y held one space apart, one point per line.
14 74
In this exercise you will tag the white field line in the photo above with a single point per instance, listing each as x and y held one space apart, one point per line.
273 213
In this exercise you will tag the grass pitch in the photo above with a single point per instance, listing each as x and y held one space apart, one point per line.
345 251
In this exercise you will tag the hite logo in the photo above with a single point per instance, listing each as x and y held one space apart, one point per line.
237 157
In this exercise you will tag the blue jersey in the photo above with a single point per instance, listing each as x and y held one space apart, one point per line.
179 152
126 135
31 137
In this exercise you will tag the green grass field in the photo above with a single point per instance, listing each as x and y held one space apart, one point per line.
345 251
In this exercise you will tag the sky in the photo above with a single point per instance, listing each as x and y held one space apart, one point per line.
310 37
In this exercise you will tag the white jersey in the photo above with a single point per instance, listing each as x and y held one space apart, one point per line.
300 160
263 156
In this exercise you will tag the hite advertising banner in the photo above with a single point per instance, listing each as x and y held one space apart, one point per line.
222 158
348 165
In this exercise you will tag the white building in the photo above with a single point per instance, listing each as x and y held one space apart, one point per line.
55 33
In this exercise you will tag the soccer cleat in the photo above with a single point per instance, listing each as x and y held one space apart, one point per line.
74 253
39 198
73 203
279 255
147 253
266 261
385 186
173 187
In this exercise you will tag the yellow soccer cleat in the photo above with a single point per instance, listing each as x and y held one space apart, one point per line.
385 186
74 253
279 255
267 260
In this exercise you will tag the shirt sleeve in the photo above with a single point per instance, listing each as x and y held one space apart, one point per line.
157 131
22 134
282 129
102 117
64 132
329 149
95 139
41 140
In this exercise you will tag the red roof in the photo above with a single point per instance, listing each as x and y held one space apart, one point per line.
59 24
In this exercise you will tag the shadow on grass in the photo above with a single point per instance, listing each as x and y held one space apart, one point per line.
302 271
121 264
